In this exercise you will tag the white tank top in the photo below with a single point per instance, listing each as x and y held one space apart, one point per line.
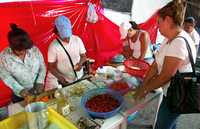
136 47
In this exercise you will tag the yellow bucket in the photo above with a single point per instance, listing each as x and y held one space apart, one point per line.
18 120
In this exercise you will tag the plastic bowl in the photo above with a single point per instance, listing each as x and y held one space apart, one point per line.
136 67
99 91
121 86
118 59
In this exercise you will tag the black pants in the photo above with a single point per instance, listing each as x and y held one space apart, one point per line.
16 98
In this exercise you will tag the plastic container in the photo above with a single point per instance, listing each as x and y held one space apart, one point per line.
18 120
99 91
136 67
62 101
120 86
118 59
37 115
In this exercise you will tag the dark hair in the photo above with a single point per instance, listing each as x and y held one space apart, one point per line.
190 20
175 10
18 38
134 25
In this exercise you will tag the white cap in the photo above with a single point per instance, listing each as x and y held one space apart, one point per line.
123 28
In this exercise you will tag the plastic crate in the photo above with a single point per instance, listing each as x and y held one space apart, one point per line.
18 120
136 67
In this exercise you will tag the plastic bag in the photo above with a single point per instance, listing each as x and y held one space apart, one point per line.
123 29
92 16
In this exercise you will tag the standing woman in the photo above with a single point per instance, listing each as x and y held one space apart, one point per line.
22 65
138 41
171 57
60 69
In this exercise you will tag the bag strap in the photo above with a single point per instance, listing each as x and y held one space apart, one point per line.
70 59
190 54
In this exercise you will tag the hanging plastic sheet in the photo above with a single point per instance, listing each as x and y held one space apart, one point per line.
151 27
92 16
5 95
101 39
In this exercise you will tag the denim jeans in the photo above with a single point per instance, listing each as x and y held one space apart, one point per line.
165 118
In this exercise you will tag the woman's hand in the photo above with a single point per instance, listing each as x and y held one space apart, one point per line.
77 67
133 58
141 92
127 52
24 93
39 88
62 80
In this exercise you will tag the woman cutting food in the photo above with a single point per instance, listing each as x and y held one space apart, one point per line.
22 65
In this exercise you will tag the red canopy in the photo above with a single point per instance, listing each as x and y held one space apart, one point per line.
102 39
37 18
